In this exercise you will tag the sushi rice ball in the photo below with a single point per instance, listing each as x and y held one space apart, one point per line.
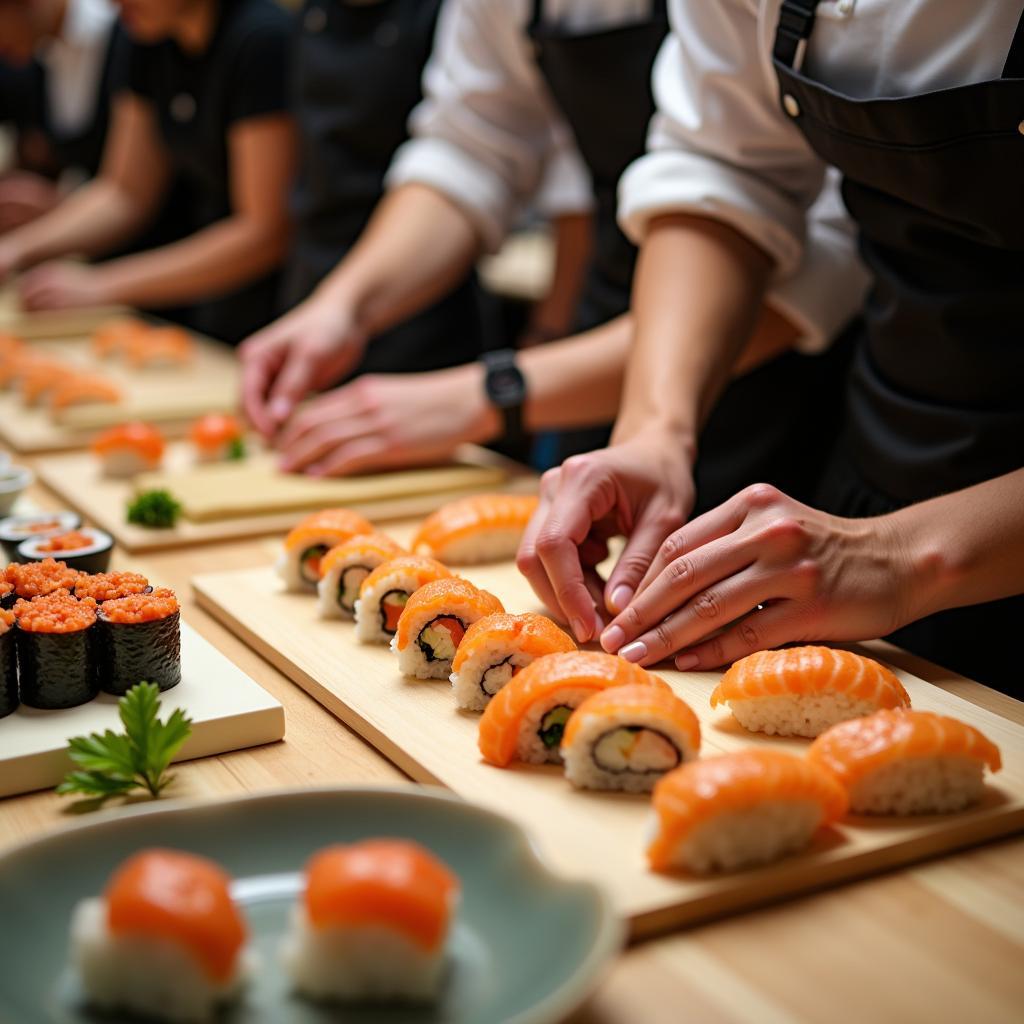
165 940
481 528
384 594
344 568
217 437
310 540
129 449
372 924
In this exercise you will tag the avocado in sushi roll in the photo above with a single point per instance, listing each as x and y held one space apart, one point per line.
86 549
15 529
139 640
8 664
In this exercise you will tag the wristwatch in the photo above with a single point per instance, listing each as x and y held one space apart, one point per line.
506 389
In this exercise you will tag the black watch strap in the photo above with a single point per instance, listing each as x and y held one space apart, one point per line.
506 388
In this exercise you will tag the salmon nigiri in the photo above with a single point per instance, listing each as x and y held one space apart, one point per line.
113 337
129 449
526 719
159 346
343 569
384 594
218 437
907 762
495 648
741 809
165 940
433 623
311 539
373 922
801 691
38 378
481 528
83 388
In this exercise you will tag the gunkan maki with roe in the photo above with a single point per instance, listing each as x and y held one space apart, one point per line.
7 595
55 641
139 640
108 586
8 664
37 579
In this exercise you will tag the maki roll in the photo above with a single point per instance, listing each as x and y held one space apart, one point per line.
384 593
86 549
56 650
138 639
37 579
129 449
8 664
106 586
15 529
372 924
217 437
310 540
344 568
481 528
433 623
165 940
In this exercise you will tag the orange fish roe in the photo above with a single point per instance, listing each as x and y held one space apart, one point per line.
141 607
33 579
74 540
6 620
50 524
6 586
59 612
108 586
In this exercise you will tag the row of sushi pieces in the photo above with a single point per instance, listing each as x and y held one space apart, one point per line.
131 448
143 345
166 940
66 635
39 535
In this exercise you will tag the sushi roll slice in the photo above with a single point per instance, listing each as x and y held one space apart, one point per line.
310 540
628 737
15 529
37 579
8 664
433 623
86 549
907 762
164 941
138 639
108 586
112 338
526 720
158 347
129 449
344 568
384 593
481 528
372 924
217 437
56 646
739 810
82 389
495 648
802 691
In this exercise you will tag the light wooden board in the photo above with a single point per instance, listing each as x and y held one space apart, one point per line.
58 323
228 711
77 480
171 397
595 835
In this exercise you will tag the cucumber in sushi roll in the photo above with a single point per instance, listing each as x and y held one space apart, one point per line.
56 650
139 640
86 549
15 529
8 664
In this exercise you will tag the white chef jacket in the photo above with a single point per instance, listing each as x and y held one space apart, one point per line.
488 128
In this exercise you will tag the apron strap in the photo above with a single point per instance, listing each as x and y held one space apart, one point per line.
1014 66
536 17
796 20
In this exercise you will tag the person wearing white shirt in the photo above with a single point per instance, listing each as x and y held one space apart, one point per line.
917 529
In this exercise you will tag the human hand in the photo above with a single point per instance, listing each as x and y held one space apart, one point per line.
761 570
25 196
382 420
305 350
642 488
62 284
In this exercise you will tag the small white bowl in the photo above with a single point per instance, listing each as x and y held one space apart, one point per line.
14 480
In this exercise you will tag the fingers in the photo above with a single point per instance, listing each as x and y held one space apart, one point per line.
776 624
527 560
636 556
290 385
314 445
355 456
261 360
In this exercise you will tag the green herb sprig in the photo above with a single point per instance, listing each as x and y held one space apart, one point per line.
155 509
115 764
236 449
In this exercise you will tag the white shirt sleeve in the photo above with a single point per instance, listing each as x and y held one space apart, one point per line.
486 126
566 186
719 144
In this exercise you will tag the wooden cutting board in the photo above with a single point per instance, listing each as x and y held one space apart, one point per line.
58 323
228 711
77 480
594 835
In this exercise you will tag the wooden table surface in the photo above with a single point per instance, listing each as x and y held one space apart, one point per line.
942 941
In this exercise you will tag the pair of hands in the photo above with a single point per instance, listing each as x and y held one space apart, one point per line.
760 570
57 284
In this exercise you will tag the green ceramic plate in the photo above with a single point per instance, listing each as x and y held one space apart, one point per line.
527 945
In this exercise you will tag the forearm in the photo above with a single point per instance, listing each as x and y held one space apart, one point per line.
417 246
552 317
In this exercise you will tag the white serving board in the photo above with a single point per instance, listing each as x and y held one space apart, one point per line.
228 711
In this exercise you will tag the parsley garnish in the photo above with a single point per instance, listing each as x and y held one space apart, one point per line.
157 509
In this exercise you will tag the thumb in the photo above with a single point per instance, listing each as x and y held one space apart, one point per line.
290 387
643 544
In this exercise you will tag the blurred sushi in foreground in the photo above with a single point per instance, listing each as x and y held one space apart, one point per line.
527 718
129 449
801 691
907 762
85 549
481 528
217 437
165 940
739 810
344 568
384 593
310 540
628 737
495 648
433 623
8 664
138 639
372 923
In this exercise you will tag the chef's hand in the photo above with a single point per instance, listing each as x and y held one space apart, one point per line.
642 488
813 576
387 420
25 196
63 284
306 350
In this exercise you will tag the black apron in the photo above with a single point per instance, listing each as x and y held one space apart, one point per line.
601 82
356 74
935 398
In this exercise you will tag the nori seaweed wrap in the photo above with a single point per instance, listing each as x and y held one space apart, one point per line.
86 549
8 665
139 640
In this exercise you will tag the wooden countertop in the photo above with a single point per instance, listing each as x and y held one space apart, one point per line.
942 941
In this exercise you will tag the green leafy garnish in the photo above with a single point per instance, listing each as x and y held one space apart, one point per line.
157 509
236 449
115 764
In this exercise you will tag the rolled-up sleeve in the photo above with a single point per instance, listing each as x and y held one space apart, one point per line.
719 144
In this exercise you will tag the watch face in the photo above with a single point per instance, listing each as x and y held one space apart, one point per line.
505 386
